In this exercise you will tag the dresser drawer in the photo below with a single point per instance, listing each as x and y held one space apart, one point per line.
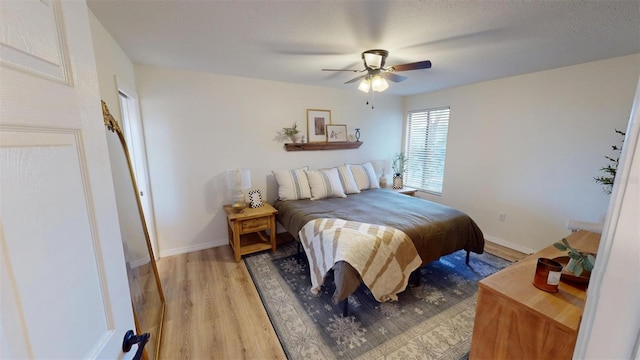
254 224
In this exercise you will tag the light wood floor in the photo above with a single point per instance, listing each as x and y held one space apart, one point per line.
214 310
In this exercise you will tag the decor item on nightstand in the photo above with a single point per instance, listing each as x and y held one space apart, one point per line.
385 169
399 167
237 181
255 198
357 134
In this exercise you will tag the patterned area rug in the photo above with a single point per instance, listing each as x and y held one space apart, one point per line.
430 320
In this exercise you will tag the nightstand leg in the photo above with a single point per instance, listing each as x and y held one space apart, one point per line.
272 233
236 240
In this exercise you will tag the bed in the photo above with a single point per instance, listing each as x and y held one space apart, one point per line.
435 230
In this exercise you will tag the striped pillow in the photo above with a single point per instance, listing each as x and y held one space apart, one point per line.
325 184
292 184
347 180
365 176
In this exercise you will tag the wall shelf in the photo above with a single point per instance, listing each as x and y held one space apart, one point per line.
323 146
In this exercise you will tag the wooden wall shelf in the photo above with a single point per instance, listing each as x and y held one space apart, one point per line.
323 146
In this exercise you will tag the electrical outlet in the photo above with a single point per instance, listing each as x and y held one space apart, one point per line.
502 217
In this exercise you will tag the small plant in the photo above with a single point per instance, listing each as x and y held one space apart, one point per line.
399 163
578 260
289 132
610 170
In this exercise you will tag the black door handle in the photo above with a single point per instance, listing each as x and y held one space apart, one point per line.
130 339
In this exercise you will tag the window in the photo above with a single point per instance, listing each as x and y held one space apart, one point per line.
425 148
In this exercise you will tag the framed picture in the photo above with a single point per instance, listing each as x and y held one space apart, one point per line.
255 198
317 120
336 133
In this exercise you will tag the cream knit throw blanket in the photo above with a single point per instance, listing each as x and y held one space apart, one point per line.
383 256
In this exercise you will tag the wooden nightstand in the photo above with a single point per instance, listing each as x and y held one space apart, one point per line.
405 190
246 229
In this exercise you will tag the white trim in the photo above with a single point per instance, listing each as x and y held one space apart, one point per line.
508 244
609 235
192 248
139 157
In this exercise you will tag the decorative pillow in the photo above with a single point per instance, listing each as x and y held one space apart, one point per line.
365 176
292 184
325 184
346 178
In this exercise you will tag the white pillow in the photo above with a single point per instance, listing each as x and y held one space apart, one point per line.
346 178
325 184
292 184
365 176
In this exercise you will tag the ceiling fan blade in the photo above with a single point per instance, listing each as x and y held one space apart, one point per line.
355 79
394 77
413 66
342 70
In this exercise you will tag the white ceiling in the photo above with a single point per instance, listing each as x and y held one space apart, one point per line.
290 41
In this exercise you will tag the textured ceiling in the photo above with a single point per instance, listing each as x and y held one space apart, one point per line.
290 41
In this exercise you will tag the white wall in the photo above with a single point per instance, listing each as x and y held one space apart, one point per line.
529 147
111 62
197 125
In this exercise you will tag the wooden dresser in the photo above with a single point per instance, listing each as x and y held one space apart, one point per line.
515 320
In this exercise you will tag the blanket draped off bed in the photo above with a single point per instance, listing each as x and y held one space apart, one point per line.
383 256
435 230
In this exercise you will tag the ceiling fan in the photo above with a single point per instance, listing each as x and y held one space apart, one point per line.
377 74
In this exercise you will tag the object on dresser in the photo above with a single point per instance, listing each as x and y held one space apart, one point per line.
578 260
547 276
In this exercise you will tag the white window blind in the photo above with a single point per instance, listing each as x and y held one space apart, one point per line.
425 148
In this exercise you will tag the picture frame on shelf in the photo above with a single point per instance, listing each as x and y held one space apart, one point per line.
317 120
336 133
255 198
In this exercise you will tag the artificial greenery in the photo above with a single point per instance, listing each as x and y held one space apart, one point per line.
288 133
399 163
578 260
291 131
610 170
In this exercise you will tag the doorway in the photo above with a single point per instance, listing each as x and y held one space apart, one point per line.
134 135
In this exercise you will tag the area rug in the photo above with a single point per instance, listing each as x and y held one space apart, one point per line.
432 319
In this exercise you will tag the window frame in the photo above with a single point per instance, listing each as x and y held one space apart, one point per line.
433 140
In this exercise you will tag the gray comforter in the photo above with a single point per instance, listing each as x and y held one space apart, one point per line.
436 230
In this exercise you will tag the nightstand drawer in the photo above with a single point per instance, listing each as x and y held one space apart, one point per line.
254 224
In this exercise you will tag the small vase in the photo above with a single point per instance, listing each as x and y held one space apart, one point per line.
383 181
397 181
295 138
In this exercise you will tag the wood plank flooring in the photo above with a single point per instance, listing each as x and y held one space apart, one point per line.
214 310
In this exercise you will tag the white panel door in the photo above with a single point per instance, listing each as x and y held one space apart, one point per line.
63 282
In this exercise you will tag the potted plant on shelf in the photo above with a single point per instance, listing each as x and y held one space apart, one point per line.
579 261
399 167
292 133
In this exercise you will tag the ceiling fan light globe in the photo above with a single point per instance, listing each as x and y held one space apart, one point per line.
379 84
364 85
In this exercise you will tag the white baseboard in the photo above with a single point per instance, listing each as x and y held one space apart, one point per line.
222 242
196 247
508 244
